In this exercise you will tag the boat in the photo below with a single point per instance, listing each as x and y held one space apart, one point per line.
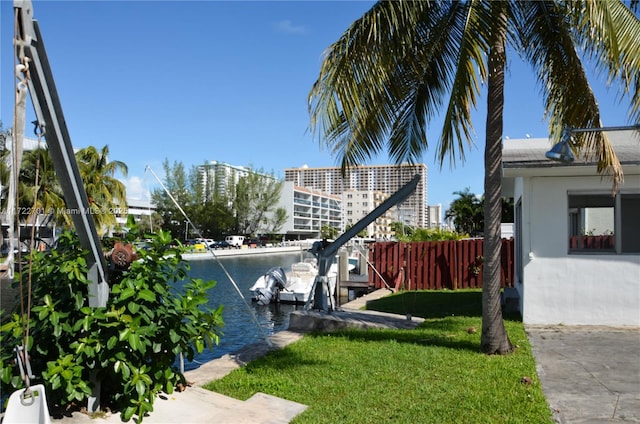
293 285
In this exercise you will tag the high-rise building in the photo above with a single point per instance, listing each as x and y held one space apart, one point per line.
356 204
217 177
434 217
382 178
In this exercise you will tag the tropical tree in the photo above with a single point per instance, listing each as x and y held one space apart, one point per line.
467 212
39 189
178 183
107 195
256 197
392 71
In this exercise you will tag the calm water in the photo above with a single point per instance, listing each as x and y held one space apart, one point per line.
240 328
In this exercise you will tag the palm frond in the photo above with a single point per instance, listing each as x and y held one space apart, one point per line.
550 47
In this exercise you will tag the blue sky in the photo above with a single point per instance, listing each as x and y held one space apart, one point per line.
194 81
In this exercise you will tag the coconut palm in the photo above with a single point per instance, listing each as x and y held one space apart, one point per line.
44 198
466 211
106 193
402 63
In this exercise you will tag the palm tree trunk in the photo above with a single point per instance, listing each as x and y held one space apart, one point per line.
494 336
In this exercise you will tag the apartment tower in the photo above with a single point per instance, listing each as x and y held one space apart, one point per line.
375 178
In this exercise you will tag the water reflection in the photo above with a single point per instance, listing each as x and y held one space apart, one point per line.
240 328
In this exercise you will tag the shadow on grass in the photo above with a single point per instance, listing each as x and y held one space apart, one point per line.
439 333
434 304
453 320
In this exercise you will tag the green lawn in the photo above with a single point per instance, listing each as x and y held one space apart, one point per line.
434 374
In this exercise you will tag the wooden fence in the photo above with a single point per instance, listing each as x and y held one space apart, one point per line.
435 265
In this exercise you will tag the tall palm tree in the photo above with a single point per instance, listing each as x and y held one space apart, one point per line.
106 193
394 69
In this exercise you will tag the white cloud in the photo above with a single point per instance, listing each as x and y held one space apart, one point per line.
287 27
137 188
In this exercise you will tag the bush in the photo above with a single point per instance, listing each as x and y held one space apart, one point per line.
431 234
130 346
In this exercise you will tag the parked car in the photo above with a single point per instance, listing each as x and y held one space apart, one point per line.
219 244
253 242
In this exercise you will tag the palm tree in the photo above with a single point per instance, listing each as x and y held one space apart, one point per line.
466 211
106 193
45 197
393 69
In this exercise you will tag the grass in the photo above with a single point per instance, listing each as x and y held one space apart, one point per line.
433 374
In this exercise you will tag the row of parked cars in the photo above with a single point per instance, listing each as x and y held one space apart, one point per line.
229 242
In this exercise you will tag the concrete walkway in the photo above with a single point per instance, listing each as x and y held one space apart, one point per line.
589 374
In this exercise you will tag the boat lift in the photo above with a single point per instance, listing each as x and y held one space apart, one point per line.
36 73
52 125
321 296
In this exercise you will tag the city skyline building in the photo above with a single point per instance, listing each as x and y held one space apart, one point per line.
381 178
308 211
356 204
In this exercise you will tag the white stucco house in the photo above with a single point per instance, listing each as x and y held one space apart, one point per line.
577 246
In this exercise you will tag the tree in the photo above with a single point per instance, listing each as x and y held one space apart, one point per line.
328 232
46 195
214 217
256 195
106 193
466 211
277 220
181 188
382 82
401 229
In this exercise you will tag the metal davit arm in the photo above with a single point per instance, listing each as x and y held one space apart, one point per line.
326 254
51 122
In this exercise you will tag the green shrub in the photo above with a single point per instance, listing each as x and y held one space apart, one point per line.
130 345
431 234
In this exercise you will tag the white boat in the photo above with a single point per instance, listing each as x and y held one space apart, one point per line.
293 285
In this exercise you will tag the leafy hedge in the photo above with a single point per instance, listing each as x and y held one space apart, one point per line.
130 346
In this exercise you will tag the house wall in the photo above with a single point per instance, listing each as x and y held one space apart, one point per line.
571 289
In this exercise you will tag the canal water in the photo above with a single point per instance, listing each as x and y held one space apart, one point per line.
240 328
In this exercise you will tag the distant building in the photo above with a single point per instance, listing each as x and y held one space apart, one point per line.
375 178
308 211
356 204
140 209
434 216
218 177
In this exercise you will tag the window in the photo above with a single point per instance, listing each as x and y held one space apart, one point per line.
603 223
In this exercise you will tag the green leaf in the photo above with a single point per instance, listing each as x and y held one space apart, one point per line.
128 413
147 295
134 341
174 336
127 293
123 334
112 342
133 307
